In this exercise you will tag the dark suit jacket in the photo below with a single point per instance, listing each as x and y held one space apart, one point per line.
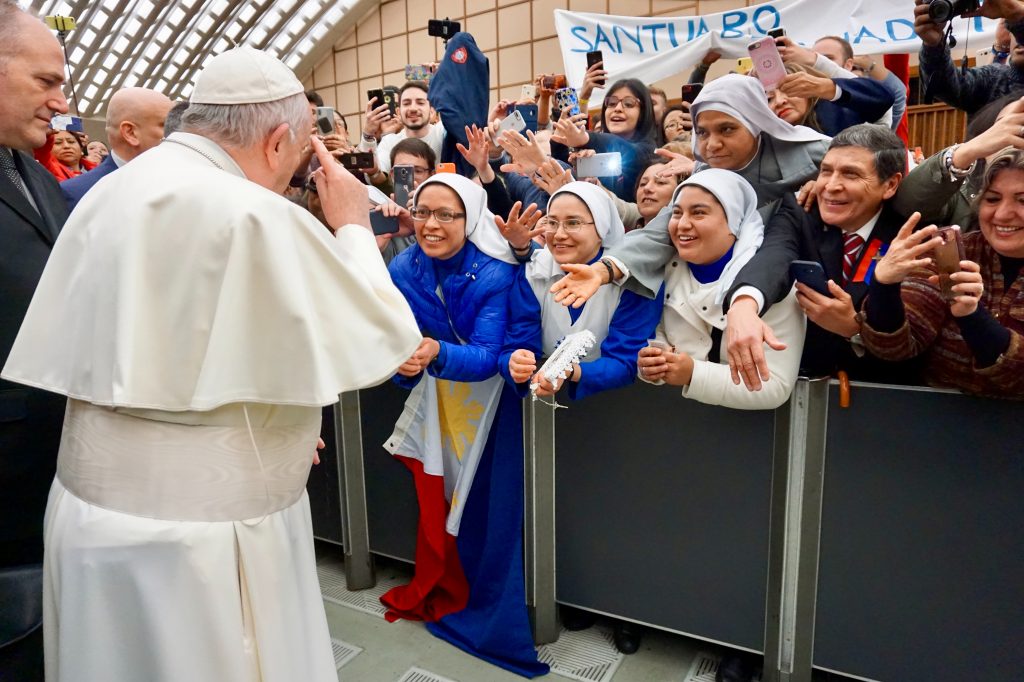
30 420
863 101
75 188
813 240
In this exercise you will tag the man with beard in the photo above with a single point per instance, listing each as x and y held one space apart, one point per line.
414 111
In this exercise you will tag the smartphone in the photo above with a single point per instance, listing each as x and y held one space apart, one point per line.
767 63
325 120
446 168
779 32
593 58
529 92
354 161
529 114
69 123
514 121
382 224
810 273
744 65
947 258
690 91
600 166
404 177
554 82
443 28
984 57
419 72
383 97
567 97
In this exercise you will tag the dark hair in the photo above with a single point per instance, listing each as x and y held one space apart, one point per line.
414 146
844 45
890 153
172 123
644 131
314 98
985 118
661 128
422 85
344 123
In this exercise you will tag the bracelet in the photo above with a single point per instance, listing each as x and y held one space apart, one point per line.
951 170
369 138
611 271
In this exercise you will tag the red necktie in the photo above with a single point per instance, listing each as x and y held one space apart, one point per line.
852 244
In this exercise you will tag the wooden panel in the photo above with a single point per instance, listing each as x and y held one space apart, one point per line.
935 126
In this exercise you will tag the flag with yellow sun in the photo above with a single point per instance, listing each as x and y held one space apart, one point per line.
444 425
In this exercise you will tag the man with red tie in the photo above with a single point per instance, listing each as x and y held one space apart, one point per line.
846 232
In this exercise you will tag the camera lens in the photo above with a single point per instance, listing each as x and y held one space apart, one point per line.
940 10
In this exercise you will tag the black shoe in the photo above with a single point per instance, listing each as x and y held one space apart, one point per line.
576 619
627 636
735 668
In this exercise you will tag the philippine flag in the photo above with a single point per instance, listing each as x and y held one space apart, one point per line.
458 437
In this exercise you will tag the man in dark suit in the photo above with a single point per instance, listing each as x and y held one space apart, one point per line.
135 123
32 212
849 228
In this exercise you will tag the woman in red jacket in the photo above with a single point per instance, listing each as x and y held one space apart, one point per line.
64 155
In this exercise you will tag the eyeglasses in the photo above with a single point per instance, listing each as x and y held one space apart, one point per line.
571 226
675 125
441 215
626 102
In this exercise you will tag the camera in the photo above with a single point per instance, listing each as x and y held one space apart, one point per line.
443 28
943 10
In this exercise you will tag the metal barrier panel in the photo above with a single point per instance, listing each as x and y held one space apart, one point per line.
663 510
390 493
323 486
922 548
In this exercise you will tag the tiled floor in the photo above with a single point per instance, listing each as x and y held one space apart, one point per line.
390 650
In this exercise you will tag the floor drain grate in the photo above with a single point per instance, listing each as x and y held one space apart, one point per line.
587 655
344 652
704 667
334 590
421 675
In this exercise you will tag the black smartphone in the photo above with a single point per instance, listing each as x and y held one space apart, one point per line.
443 28
690 91
325 120
779 32
810 273
354 161
382 224
404 177
383 97
593 58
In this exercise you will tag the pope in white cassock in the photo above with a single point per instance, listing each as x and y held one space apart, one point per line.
198 321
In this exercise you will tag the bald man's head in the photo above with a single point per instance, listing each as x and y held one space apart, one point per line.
135 121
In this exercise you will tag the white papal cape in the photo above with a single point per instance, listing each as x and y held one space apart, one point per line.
198 323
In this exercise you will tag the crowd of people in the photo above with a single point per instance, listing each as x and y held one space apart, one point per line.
729 245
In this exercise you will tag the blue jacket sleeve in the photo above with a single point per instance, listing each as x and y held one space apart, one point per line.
634 321
867 98
477 359
523 330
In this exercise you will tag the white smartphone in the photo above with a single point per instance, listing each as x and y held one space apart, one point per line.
983 57
600 166
529 92
513 121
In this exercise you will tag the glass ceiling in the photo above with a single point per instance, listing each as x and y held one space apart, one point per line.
162 44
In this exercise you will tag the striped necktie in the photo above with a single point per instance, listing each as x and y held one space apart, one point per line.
852 244
11 171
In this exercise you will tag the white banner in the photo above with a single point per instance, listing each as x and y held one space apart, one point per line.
652 48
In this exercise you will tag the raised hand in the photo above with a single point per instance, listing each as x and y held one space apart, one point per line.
520 229
343 197
909 251
677 164
968 287
375 117
596 77
525 152
551 176
568 132
477 153
581 282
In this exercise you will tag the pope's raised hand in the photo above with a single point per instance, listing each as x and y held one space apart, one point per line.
344 199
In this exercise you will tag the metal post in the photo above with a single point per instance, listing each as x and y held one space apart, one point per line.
539 518
355 530
797 479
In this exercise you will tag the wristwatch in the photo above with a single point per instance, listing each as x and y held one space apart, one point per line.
857 341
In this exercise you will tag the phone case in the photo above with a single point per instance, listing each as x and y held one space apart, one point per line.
513 121
404 180
529 113
418 72
529 92
767 63
948 257
600 166
811 274
567 97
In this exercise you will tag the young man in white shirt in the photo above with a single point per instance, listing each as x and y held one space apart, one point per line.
414 111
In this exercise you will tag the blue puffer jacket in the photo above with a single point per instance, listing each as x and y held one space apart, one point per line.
469 323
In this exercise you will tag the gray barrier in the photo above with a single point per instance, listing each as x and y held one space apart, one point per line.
881 541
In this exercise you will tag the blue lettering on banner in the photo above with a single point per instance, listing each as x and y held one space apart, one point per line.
865 32
672 35
653 28
601 37
731 22
905 23
702 28
616 30
581 33
761 11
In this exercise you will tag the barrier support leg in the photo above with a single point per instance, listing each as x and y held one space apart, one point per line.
539 519
797 477
359 569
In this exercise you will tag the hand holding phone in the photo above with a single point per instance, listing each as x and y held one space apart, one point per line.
383 97
810 274
594 58
325 121
947 257
600 166
404 177
355 161
690 91
767 63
